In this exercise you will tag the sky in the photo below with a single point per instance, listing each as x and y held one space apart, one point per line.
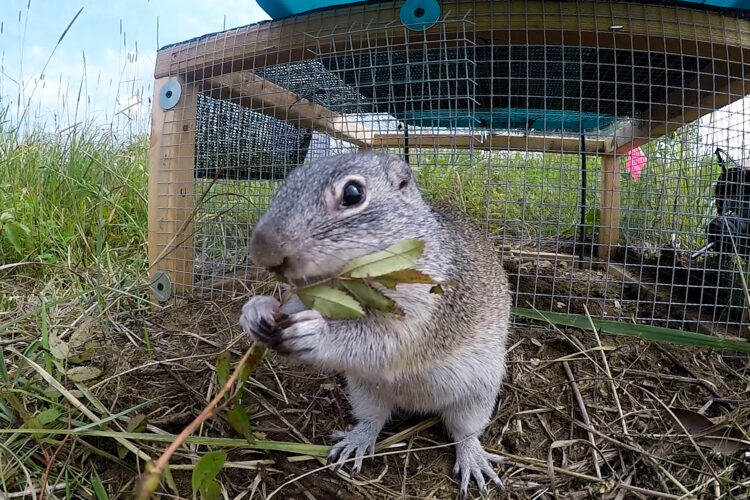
107 56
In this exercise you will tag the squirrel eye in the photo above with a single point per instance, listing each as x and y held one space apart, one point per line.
353 194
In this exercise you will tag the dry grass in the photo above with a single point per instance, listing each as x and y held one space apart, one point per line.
630 449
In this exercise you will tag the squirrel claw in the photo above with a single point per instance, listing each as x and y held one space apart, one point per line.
298 335
472 462
357 443
257 318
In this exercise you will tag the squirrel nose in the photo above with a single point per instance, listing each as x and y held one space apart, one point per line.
265 248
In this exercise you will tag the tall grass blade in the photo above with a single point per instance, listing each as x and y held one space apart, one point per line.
646 332
70 24
283 446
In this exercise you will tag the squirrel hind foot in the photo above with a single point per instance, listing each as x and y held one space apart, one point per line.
473 462
356 443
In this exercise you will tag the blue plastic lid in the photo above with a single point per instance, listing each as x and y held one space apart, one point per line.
284 8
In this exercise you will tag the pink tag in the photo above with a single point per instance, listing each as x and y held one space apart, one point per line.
635 163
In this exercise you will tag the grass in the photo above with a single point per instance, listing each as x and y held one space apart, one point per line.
538 195
72 244
78 205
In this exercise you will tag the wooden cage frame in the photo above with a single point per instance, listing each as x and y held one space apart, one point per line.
218 65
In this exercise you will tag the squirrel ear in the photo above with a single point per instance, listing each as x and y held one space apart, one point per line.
398 172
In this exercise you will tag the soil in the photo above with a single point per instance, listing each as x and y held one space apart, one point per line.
538 422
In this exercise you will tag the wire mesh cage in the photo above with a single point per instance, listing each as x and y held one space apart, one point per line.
601 144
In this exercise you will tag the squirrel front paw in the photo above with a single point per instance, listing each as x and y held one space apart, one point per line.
299 335
263 319
258 319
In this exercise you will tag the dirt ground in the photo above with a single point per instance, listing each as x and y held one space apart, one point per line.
580 416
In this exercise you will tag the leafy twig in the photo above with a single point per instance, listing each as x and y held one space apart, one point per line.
349 294
149 481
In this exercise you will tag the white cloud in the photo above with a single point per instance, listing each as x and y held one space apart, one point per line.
116 78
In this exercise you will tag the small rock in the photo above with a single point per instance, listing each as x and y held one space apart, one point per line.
545 265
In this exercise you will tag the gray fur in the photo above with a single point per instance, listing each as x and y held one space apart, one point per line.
446 356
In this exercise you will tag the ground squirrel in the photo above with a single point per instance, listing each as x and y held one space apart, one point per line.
446 355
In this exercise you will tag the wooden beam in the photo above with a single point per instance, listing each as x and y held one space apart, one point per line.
157 226
498 141
609 208
715 87
375 26
266 97
170 187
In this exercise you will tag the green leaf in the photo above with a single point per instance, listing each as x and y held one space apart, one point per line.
368 296
252 364
7 411
211 491
402 255
96 483
437 289
33 423
89 350
330 302
16 234
222 368
83 373
58 347
207 468
240 421
48 416
3 369
387 282
646 332
409 276
83 333
169 478
137 423
51 393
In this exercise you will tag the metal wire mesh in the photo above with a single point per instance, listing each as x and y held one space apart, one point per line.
529 116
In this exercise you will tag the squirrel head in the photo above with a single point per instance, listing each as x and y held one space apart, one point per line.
333 210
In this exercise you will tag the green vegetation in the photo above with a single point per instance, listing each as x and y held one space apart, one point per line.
73 230
73 203
79 199
538 195
83 406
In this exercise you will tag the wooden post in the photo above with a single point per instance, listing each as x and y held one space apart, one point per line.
609 228
170 186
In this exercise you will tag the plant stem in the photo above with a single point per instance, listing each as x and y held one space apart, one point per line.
149 481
